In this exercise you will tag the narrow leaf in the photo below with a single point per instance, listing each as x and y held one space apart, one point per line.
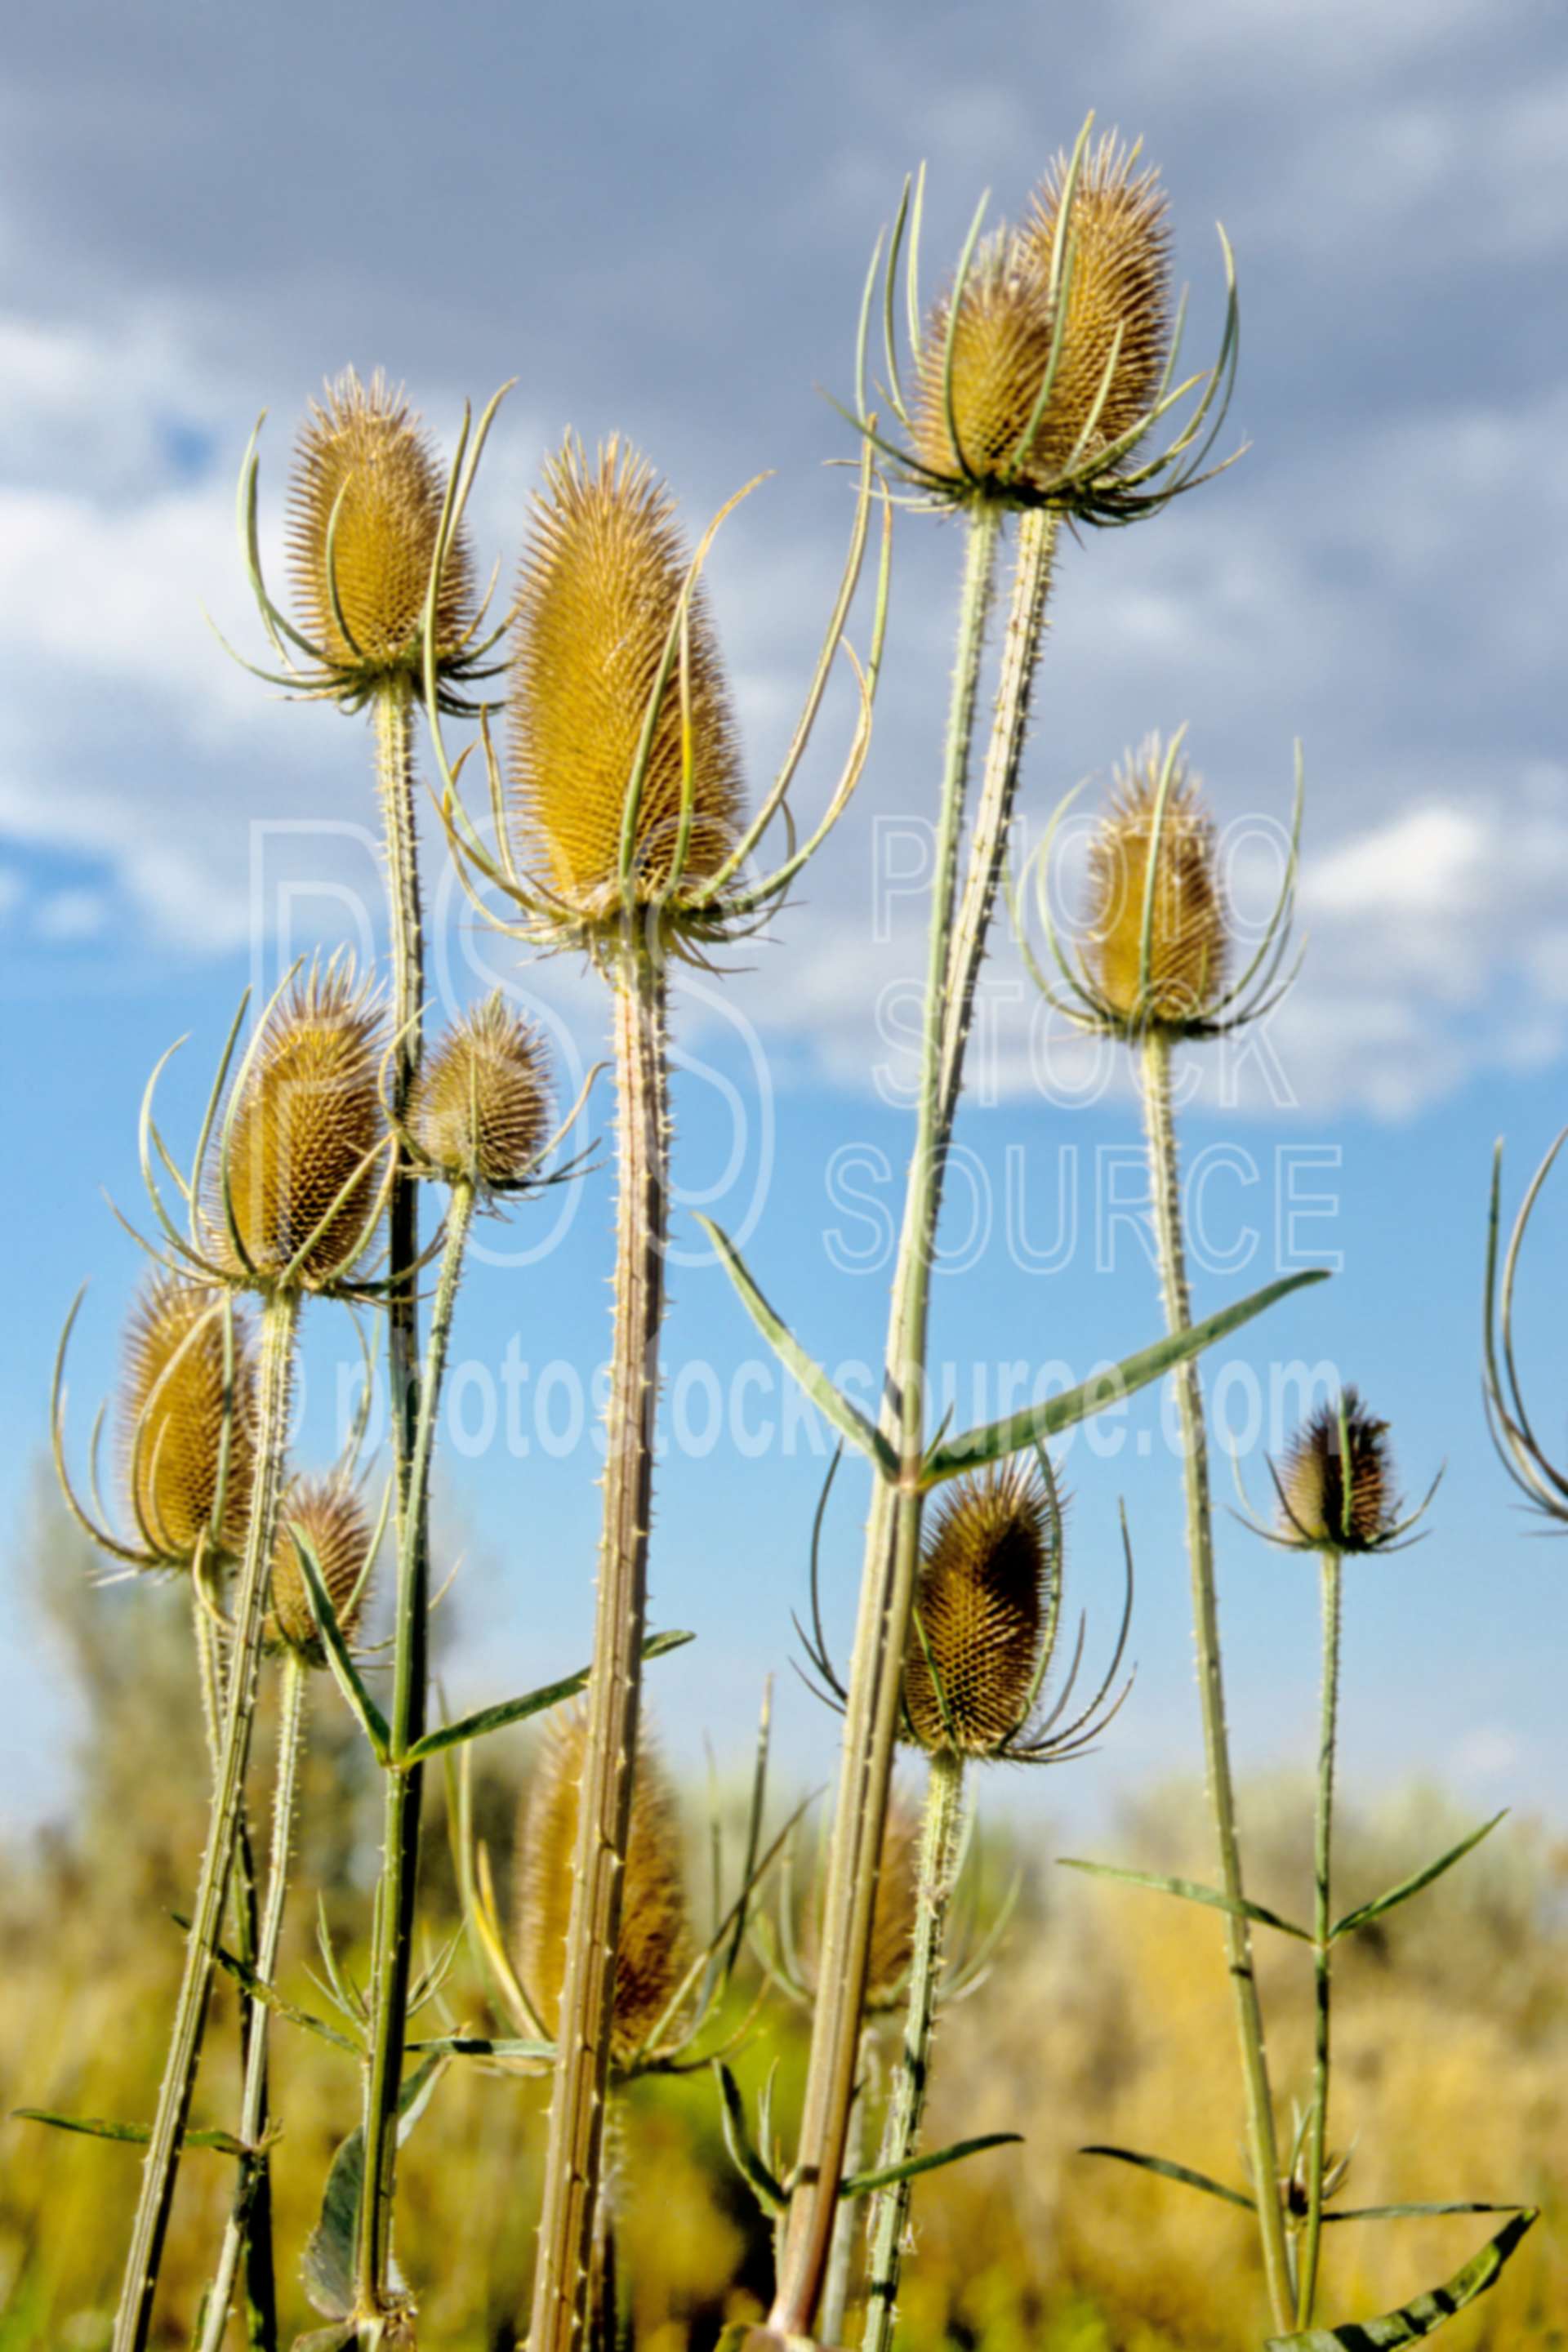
327 2268
478 2045
861 2184
270 1998
1416 2212
1409 1887
344 1671
770 2192
95 2127
830 1400
1189 1891
1427 2313
518 1710
995 1440
1182 2173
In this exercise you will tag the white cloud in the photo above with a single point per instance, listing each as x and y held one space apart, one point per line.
67 916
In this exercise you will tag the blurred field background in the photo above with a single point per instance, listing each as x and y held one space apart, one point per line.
1106 2017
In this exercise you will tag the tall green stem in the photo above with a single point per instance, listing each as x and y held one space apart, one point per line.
847 2221
253 2098
1262 2145
394 1933
1323 1927
574 2148
133 2318
892 1542
901 2131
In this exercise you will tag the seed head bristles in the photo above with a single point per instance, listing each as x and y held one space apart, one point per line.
1158 934
480 1110
333 1518
178 1399
603 585
298 1188
1045 366
1335 1489
986 1581
651 1955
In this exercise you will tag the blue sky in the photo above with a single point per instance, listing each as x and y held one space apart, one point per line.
659 225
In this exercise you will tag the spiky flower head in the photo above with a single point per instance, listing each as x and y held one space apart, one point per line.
1141 845
1336 1485
481 1108
602 582
332 1516
1001 349
175 1405
983 1603
651 1955
365 511
302 1150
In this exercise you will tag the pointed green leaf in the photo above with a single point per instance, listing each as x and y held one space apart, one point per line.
518 1710
344 1671
995 1439
862 2184
1409 1887
327 2267
1183 2173
1416 2212
769 2193
478 2045
1427 2313
1189 1891
268 1995
830 1400
95 2127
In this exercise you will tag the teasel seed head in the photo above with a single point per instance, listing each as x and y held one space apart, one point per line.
1001 351
651 1953
1189 937
983 1603
481 1108
303 1150
601 584
332 1516
1336 1485
1121 283
172 1415
364 455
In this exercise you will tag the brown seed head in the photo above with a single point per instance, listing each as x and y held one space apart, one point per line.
601 580
481 1109
308 1120
173 1413
366 455
335 1527
651 1953
1189 941
1119 230
982 1598
1322 1506
1001 349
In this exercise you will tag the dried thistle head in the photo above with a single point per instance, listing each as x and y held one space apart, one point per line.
1189 933
651 1953
1117 334
173 1411
307 1126
366 480
1001 351
602 580
480 1107
335 1527
1336 1487
982 1604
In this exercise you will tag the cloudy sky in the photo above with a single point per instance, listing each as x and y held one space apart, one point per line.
658 221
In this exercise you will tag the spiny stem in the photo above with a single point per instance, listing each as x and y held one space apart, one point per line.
1262 2144
393 1955
901 2130
1322 1923
892 1545
847 2223
253 2101
134 2319
576 2142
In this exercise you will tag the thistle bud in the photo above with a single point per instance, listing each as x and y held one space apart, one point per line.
1189 939
301 1150
651 1955
982 1604
1337 1485
334 1524
365 458
173 1415
481 1109
602 580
